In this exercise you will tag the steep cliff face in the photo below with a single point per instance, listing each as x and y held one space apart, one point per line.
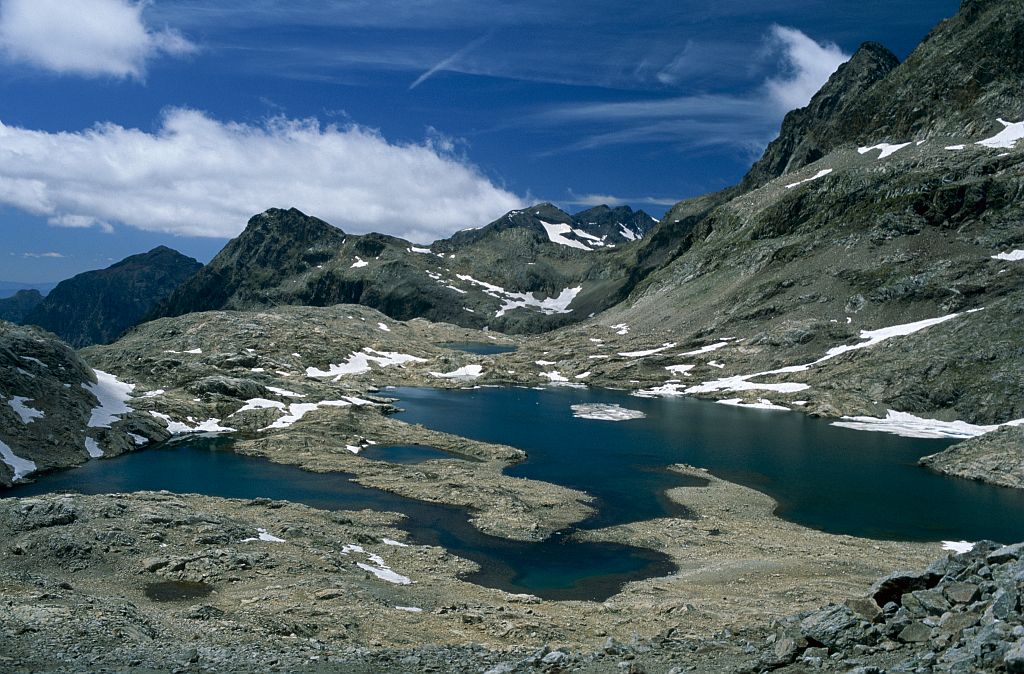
98 306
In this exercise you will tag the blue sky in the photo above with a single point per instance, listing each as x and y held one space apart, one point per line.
127 125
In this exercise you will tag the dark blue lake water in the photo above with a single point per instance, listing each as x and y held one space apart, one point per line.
829 478
480 348
833 479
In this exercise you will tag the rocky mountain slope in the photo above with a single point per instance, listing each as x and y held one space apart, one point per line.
56 411
529 271
98 306
20 304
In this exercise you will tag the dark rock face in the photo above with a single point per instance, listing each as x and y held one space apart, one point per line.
809 133
98 306
962 77
47 401
287 257
19 305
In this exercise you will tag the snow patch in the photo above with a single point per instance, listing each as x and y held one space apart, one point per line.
285 392
959 547
93 448
1011 256
359 363
680 369
20 466
556 234
27 414
761 404
648 352
464 372
514 300
180 428
887 149
384 327
910 426
820 174
554 376
385 574
360 262
112 395
1007 138
620 329
262 535
409 609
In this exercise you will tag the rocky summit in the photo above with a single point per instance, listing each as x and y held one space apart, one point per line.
98 306
530 271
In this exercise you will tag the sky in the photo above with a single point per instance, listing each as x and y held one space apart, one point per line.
125 125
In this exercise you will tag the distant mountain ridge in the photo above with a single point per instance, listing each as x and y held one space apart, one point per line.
19 305
96 307
525 272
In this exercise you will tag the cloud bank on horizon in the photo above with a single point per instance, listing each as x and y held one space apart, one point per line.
197 176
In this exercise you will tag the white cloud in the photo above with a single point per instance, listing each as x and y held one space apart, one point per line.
84 37
39 255
808 66
743 121
202 177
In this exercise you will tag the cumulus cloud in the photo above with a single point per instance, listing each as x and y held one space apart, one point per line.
202 177
84 37
808 65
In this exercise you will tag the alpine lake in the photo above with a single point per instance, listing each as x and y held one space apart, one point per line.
825 477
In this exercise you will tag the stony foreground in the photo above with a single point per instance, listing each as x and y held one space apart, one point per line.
166 582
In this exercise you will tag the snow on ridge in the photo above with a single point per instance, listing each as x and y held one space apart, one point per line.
21 467
820 174
707 349
1007 138
112 395
1010 256
742 382
911 426
627 233
514 300
27 414
417 249
605 412
887 149
465 372
648 352
556 234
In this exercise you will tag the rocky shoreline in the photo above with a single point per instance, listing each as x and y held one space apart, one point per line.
187 583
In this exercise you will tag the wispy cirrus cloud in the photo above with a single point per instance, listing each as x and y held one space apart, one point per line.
50 254
745 122
84 37
199 176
